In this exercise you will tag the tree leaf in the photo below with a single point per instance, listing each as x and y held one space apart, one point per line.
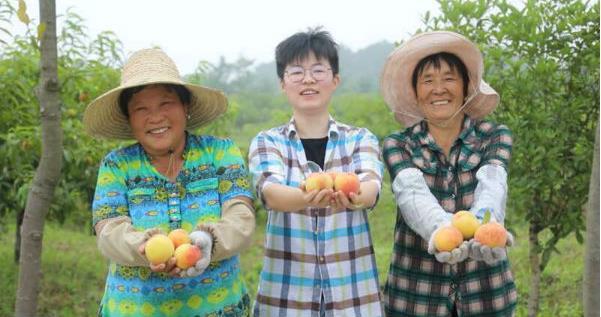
22 12
41 30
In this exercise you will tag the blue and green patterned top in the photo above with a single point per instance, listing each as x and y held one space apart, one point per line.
129 185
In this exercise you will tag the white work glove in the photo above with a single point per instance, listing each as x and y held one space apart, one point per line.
454 256
490 193
204 241
491 256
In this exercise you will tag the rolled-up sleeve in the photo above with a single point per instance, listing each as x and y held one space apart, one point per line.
266 163
366 158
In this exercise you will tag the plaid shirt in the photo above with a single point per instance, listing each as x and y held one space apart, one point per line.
417 284
316 251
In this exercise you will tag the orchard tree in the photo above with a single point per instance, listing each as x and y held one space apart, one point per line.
590 280
49 168
543 59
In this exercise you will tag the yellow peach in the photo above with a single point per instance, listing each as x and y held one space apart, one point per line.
492 234
158 249
466 222
347 183
179 237
447 238
186 255
318 181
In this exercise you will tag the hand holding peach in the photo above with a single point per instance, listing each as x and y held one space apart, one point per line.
447 245
203 241
490 242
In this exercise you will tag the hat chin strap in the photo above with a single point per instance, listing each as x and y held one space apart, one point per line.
444 123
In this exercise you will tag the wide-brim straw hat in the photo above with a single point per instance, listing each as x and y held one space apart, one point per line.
103 117
396 80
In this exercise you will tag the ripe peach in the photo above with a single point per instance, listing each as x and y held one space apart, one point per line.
447 238
179 237
187 255
158 249
491 234
466 222
318 181
347 183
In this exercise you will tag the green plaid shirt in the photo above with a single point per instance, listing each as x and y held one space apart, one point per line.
417 284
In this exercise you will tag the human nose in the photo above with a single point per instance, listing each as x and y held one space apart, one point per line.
438 87
155 115
309 78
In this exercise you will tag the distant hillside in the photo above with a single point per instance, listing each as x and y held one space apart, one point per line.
360 71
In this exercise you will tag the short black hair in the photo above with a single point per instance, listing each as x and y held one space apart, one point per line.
452 60
300 45
182 92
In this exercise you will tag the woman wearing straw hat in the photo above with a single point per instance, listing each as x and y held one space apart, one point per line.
447 159
169 179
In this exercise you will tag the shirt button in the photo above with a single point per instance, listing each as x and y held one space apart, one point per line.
315 232
322 259
316 285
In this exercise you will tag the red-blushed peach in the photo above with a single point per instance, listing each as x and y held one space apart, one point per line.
179 237
347 183
318 181
447 238
492 234
466 222
159 248
186 255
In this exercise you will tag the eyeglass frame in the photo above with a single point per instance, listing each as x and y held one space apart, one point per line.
287 73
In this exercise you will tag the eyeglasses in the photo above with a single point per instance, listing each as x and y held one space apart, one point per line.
296 73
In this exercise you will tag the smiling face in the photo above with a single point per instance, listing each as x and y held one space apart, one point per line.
310 95
440 92
158 120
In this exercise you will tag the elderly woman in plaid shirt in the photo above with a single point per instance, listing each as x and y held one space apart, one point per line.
447 159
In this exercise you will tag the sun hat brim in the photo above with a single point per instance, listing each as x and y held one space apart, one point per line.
103 117
396 79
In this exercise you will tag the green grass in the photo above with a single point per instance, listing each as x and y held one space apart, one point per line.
73 270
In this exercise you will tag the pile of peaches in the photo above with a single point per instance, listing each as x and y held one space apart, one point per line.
344 182
465 226
160 248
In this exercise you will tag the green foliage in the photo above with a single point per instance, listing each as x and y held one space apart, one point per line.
546 70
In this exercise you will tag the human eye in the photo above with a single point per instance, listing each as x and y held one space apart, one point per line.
295 71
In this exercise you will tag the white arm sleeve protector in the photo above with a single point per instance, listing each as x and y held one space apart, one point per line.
491 192
418 206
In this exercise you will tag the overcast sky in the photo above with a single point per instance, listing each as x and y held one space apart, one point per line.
190 31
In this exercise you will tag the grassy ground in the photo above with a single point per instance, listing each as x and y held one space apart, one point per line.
73 270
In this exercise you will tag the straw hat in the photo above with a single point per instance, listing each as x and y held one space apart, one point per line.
103 118
396 80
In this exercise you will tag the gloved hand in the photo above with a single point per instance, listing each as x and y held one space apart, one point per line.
205 242
459 254
481 252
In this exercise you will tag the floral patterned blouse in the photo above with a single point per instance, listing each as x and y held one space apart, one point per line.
129 185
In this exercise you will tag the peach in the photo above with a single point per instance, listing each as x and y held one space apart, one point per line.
318 181
492 234
347 183
186 255
466 222
179 237
447 238
158 249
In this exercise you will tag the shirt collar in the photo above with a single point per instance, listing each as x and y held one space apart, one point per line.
467 134
333 128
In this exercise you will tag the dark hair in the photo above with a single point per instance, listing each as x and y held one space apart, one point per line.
300 45
182 92
452 60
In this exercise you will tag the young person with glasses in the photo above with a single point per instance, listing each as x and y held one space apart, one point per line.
319 258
